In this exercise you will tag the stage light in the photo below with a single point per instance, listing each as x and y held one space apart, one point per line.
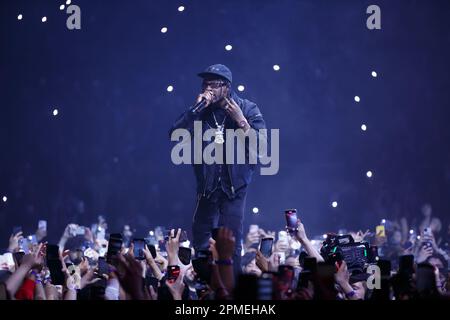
169 89
363 127
181 8
357 99
228 47
55 112
276 67
383 221
255 210
44 19
418 237
241 88
163 29
374 74
411 231
68 2
61 7
151 233
325 236
369 174
19 17
5 199
334 204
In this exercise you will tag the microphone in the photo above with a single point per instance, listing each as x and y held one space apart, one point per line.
199 106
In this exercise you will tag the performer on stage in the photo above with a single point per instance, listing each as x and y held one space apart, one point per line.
221 188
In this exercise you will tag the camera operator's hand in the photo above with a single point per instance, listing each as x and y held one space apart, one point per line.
14 242
342 276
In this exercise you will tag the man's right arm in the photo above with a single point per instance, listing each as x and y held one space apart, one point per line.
187 118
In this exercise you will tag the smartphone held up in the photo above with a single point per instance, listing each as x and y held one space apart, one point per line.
291 220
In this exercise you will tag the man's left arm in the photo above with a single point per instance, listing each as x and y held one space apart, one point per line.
252 118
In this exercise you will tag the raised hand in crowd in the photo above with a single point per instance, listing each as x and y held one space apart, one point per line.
14 242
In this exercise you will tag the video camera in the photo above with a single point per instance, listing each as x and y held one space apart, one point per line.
357 255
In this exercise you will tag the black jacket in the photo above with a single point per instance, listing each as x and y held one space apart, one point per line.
239 174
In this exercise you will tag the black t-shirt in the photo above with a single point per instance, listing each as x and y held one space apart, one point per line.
221 177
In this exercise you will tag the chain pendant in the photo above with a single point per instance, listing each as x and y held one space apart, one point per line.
219 139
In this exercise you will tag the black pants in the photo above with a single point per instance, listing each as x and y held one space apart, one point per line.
219 211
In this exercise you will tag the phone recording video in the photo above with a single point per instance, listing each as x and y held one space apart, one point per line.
291 220
202 265
102 267
138 249
172 273
152 250
184 254
114 246
265 247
